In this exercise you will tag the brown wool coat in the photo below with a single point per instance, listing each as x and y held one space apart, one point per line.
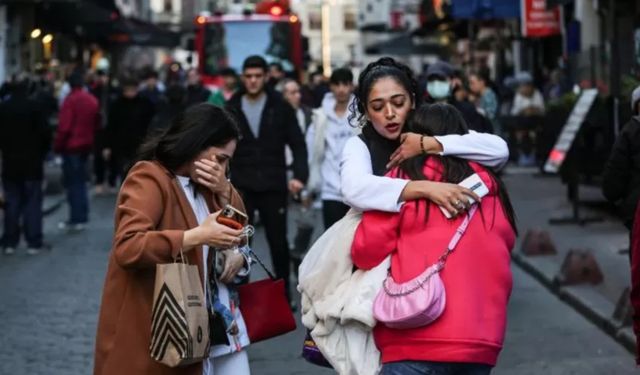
151 216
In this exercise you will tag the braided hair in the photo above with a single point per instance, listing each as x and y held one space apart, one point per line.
385 67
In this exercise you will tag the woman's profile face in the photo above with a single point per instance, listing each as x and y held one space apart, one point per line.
388 105
221 155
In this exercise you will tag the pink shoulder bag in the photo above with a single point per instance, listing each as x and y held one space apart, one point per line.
421 300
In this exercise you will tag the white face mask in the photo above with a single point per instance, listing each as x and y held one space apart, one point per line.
439 89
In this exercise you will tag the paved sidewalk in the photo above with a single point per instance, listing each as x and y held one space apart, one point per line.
539 198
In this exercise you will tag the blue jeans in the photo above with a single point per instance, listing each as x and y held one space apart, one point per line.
23 201
434 368
74 170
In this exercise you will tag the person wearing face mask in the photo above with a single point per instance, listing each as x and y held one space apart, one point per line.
441 83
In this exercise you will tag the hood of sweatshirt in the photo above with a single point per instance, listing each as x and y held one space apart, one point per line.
329 106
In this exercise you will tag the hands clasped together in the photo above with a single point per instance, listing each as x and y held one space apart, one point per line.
454 198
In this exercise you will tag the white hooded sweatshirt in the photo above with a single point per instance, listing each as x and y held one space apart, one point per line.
326 138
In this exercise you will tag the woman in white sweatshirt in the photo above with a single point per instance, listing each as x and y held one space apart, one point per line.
385 97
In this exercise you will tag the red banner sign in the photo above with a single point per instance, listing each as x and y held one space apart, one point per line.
538 21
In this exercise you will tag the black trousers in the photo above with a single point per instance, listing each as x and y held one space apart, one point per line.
272 207
102 169
23 206
333 211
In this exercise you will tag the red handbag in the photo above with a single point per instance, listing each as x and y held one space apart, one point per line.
265 308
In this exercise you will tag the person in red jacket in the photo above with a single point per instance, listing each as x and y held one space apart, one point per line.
79 120
635 278
467 338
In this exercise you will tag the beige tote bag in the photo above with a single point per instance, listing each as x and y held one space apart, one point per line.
179 320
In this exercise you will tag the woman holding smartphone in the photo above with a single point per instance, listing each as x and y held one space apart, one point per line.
170 202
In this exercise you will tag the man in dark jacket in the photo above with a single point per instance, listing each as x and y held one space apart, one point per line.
79 121
621 178
635 280
440 89
24 142
129 118
151 90
196 92
258 168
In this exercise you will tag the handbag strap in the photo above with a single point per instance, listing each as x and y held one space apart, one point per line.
248 231
456 237
441 261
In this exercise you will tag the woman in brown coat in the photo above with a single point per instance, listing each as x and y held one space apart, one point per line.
154 220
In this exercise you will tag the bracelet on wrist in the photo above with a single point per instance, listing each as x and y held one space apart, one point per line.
424 151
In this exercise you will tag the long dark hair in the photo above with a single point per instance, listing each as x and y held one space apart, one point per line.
444 119
380 148
191 132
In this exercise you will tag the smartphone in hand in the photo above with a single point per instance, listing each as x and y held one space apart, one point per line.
232 217
473 183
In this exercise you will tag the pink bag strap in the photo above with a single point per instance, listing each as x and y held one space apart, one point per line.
457 236
421 279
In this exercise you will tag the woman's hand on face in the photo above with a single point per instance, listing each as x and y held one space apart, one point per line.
211 175
454 198
233 263
219 235
410 146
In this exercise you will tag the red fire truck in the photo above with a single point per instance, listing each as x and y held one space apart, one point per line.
225 40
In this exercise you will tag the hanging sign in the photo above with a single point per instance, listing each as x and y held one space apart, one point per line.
538 21
559 152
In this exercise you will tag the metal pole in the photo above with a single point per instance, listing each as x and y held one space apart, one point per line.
614 66
326 37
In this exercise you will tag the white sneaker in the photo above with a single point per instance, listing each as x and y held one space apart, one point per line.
72 227
33 251
9 251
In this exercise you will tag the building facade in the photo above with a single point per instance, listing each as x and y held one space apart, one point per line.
343 36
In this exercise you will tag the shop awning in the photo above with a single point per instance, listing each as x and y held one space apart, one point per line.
76 18
141 33
100 21
485 9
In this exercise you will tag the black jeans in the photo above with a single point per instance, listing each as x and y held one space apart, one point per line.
272 206
23 201
104 168
333 211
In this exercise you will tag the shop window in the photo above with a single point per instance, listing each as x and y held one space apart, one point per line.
315 18
350 18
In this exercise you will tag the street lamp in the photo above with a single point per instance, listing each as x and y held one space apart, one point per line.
46 44
36 33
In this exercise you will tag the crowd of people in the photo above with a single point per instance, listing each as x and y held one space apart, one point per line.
347 152
380 144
